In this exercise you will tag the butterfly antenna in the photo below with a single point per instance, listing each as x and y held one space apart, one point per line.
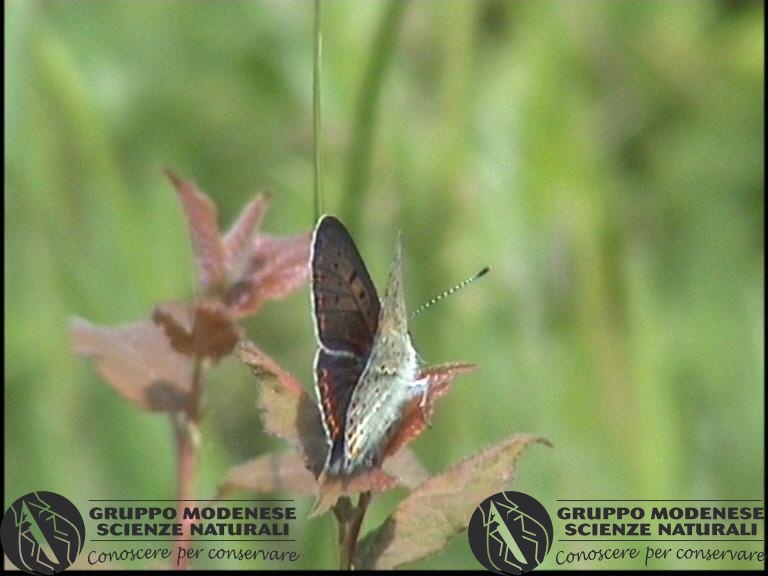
448 292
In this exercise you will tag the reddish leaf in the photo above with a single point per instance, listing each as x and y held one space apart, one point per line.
267 252
406 467
330 489
203 329
441 376
248 268
270 474
430 516
204 231
263 366
238 238
138 362
274 268
416 418
176 319
286 409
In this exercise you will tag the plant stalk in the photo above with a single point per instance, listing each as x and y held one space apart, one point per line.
317 111
186 458
350 531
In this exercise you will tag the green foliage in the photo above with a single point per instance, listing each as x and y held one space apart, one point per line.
605 159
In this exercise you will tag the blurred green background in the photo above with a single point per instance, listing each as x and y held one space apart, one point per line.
605 159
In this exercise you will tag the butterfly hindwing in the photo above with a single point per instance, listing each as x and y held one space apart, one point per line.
337 376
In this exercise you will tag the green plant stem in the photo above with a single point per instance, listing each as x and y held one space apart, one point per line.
349 531
343 511
361 143
317 111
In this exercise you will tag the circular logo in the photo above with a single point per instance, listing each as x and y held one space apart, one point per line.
510 533
42 533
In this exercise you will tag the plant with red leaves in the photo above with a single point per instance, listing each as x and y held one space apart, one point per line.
158 364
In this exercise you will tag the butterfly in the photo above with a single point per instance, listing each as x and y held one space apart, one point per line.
366 367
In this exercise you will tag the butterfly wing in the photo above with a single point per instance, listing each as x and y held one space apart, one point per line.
346 305
388 383
346 313
336 378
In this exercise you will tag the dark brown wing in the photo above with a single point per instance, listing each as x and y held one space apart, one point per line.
346 313
346 305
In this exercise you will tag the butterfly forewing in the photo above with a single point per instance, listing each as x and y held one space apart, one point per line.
346 304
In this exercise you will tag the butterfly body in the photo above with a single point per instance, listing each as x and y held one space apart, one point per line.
366 367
